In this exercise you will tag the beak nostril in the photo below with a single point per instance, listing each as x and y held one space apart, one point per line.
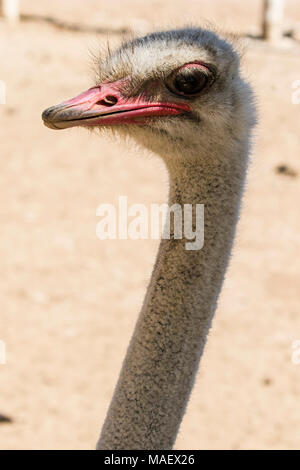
108 101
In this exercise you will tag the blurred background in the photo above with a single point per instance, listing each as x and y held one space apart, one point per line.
69 302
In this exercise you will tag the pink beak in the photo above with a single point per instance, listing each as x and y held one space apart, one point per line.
104 105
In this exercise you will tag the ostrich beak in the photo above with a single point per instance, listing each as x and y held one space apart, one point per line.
105 105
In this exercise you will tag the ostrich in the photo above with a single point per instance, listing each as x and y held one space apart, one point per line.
180 94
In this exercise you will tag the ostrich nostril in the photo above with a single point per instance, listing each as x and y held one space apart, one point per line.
108 101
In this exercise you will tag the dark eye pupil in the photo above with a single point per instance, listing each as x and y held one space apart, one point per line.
190 81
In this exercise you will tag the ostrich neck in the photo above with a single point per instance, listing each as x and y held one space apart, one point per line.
163 356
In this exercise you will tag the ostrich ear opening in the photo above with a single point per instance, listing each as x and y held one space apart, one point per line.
105 105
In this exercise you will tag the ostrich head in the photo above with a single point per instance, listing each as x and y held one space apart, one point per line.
169 90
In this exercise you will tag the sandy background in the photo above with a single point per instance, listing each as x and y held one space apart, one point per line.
69 301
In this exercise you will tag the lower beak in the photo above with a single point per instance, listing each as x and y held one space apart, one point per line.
104 105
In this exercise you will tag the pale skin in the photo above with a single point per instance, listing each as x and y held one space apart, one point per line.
203 138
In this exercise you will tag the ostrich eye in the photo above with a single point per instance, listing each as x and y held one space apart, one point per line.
190 80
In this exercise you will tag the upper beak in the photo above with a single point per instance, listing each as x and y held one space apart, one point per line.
104 105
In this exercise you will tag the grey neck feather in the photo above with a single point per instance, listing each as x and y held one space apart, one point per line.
164 353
